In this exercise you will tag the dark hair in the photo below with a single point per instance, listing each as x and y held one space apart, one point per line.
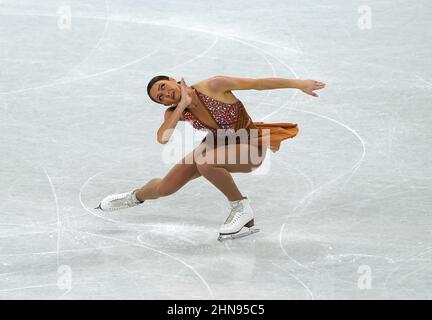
152 82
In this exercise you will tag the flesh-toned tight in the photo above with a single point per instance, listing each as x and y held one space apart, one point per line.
197 164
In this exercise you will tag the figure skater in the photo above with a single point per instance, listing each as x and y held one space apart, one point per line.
210 105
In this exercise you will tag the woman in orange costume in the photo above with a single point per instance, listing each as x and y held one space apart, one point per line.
210 105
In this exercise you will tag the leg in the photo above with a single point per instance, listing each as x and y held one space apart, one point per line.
177 177
218 172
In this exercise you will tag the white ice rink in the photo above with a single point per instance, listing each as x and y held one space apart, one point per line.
345 210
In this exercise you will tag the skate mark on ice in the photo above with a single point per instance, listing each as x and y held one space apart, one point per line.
143 245
283 249
15 272
61 251
182 262
358 255
64 294
422 267
25 225
26 234
198 56
96 46
403 262
423 80
29 287
311 184
140 245
59 226
94 213
83 205
172 232
362 201
297 279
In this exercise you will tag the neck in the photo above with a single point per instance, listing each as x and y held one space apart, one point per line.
194 103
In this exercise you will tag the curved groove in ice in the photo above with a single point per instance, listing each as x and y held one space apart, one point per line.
310 293
58 216
96 46
198 56
389 276
182 262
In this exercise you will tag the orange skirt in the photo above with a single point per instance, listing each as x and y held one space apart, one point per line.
279 131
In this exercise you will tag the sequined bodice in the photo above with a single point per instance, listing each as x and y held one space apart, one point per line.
226 115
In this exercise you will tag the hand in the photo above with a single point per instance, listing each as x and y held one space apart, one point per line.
186 98
309 86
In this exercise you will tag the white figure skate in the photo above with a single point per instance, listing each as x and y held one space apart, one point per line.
241 216
119 201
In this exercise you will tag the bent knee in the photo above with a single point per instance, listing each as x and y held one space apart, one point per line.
205 168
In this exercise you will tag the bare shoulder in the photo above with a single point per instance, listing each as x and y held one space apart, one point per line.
208 85
225 84
215 87
217 84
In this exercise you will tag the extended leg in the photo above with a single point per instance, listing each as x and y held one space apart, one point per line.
176 178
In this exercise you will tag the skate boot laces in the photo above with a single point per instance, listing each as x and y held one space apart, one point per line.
235 213
120 201
123 199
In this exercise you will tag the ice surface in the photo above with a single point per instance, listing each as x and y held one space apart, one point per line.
349 197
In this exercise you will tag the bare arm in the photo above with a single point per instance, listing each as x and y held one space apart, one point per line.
222 83
171 118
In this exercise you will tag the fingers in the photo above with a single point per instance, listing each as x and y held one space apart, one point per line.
183 84
318 86
311 93
313 85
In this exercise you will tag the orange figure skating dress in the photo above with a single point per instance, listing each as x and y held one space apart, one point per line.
231 117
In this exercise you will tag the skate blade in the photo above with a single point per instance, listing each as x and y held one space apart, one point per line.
249 232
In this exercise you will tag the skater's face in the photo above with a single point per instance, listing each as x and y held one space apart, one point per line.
166 92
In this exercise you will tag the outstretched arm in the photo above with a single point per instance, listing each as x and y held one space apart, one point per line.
223 83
